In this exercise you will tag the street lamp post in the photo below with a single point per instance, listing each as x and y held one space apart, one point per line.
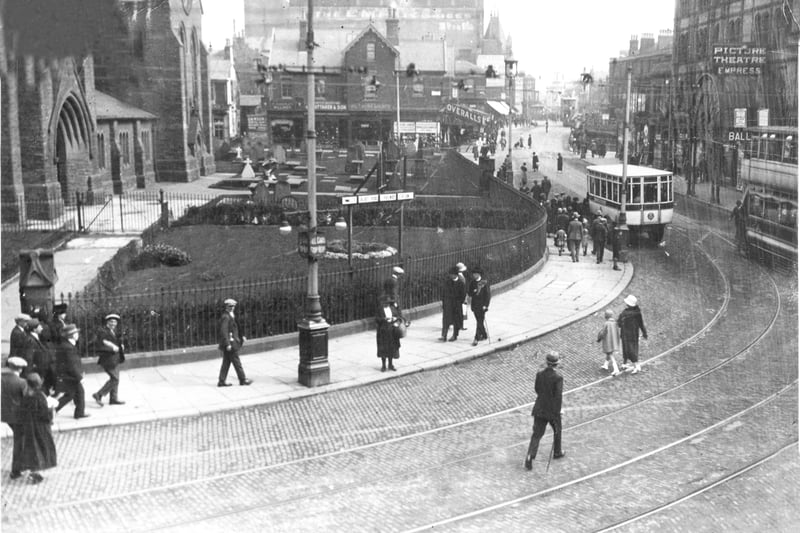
314 369
622 221
511 73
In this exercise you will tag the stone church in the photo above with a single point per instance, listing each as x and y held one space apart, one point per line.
109 96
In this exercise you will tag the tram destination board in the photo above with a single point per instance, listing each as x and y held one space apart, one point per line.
382 198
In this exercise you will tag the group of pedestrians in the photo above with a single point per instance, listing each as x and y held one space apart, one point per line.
615 335
458 295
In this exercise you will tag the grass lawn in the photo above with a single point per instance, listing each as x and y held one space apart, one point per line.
229 254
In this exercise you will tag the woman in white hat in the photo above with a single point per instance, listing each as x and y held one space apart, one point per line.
630 323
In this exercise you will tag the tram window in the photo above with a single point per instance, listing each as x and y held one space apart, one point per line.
614 191
635 193
755 206
665 196
603 189
650 192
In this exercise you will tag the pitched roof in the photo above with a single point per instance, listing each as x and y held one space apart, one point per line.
370 27
219 68
107 107
427 56
329 53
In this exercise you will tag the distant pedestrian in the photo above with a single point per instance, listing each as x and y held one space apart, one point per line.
37 449
230 342
109 346
549 388
69 372
390 327
559 163
546 186
18 343
12 390
535 162
609 336
462 277
574 237
453 295
586 236
739 218
546 126
530 141
560 240
630 323
562 219
599 236
39 356
480 294
616 246
523 177
391 287
53 330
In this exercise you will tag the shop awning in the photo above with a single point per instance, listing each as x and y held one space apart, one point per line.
501 108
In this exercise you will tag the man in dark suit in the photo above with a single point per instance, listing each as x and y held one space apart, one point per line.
480 296
52 333
69 372
39 356
19 338
110 350
12 390
547 409
229 344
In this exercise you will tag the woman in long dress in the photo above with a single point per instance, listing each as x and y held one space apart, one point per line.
388 318
38 448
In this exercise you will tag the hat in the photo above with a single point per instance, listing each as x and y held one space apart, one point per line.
17 362
461 267
110 316
477 270
552 358
630 300
609 313
453 271
575 215
398 270
34 380
33 323
69 329
59 308
22 318
230 302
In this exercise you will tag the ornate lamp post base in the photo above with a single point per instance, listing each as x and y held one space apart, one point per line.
314 369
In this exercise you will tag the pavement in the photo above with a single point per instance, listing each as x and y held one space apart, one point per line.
559 293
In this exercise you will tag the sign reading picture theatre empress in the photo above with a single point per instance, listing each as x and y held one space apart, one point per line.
740 59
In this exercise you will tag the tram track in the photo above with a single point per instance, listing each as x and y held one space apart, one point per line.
305 462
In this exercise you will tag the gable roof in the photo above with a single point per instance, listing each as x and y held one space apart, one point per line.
370 27
107 107
219 68
285 51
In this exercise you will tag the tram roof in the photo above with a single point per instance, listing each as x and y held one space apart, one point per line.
633 170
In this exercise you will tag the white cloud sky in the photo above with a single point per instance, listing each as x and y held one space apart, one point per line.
549 36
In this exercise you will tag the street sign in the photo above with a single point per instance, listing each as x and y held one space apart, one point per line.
377 198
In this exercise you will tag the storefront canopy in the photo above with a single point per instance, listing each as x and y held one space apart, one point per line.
501 108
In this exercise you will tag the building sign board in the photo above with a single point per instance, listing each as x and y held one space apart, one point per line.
740 117
329 106
465 113
257 122
738 59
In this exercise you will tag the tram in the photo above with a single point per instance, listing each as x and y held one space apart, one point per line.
649 201
768 174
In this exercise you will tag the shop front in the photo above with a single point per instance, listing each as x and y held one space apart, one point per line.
462 124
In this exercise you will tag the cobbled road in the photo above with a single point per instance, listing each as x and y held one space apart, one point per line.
704 439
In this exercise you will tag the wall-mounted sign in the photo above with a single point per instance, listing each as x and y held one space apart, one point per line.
763 118
465 113
738 59
330 106
257 122
740 117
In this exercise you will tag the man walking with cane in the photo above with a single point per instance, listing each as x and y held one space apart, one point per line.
547 409
480 295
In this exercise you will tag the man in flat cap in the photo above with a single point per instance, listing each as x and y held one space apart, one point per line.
69 372
229 344
19 339
39 356
110 350
547 409
12 389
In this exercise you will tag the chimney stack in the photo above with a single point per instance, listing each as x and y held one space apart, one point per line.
664 39
393 28
647 43
633 49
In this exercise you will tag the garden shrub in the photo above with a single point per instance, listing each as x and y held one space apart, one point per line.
154 255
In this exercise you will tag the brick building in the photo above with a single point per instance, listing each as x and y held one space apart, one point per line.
115 96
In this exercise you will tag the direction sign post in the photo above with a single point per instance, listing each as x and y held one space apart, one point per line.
369 199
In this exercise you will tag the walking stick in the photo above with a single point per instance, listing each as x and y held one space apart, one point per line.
549 459
486 327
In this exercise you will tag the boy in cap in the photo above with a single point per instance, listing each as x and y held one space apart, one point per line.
391 287
12 389
609 336
229 344
110 350
547 409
